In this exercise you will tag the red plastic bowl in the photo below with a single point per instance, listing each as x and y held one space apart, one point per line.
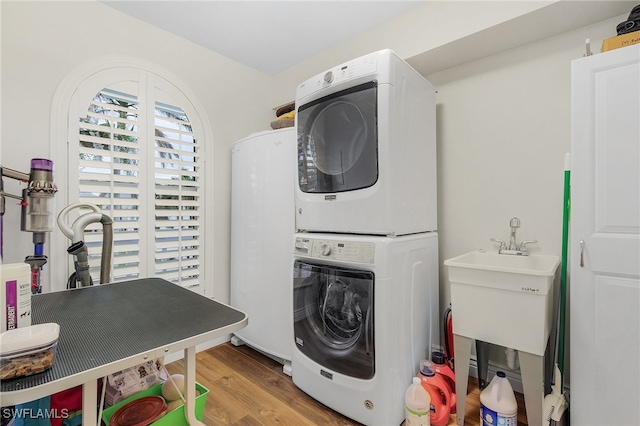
139 412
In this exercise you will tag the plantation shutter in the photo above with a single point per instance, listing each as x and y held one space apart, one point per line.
109 177
177 200
139 161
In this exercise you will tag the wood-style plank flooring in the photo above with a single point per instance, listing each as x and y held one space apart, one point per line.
247 388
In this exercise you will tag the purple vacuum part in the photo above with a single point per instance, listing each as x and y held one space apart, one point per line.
41 164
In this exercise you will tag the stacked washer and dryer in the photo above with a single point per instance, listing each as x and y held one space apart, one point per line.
365 263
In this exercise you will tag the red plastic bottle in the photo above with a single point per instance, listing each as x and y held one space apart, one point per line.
436 387
441 368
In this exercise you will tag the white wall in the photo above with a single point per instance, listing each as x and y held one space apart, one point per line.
425 27
437 35
43 41
503 129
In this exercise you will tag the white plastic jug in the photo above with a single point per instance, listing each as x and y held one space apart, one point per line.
417 404
498 405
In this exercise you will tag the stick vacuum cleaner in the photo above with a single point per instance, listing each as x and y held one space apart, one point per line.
37 204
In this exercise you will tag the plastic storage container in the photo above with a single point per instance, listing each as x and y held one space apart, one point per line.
172 418
417 405
438 391
498 405
28 350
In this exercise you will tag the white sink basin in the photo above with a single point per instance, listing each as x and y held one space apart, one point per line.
499 267
503 299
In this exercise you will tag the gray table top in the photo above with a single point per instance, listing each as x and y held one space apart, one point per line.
100 325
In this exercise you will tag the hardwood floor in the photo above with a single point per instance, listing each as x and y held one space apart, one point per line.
247 388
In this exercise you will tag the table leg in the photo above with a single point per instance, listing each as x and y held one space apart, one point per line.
462 347
89 408
190 386
532 370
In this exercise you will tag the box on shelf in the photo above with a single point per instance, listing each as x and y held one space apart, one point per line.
621 41
173 418
130 381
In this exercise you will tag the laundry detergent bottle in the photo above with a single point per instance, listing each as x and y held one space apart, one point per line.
498 405
417 405
438 392
443 370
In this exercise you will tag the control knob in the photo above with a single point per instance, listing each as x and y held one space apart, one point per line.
326 249
328 77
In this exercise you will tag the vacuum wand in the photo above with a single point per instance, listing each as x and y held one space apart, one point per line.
78 248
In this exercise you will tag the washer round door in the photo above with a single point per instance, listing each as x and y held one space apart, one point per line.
338 141
333 317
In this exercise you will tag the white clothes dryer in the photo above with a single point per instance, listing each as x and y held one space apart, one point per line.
365 312
366 149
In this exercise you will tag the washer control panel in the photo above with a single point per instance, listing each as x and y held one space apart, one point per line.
349 251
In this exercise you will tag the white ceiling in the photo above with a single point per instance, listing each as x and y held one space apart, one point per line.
269 36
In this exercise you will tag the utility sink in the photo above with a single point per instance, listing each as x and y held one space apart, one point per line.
503 299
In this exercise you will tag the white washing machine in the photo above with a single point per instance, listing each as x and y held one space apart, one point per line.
366 134
365 312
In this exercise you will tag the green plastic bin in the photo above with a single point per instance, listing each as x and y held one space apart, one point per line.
174 418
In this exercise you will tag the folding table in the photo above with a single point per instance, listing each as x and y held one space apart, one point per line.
110 327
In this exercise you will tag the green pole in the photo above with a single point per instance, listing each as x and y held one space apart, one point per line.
563 270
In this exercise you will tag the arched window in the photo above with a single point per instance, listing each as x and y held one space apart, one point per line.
135 148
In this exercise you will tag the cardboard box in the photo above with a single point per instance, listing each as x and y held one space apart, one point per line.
621 41
15 295
127 382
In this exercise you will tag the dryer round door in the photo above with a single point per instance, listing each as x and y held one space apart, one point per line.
333 317
338 142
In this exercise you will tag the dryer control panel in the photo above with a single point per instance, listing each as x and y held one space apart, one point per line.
349 251
356 68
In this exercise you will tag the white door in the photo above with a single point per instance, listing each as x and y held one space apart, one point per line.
605 239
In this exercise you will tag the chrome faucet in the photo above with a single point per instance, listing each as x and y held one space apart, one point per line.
514 224
513 248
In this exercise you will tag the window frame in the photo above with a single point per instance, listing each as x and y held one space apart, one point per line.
78 88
